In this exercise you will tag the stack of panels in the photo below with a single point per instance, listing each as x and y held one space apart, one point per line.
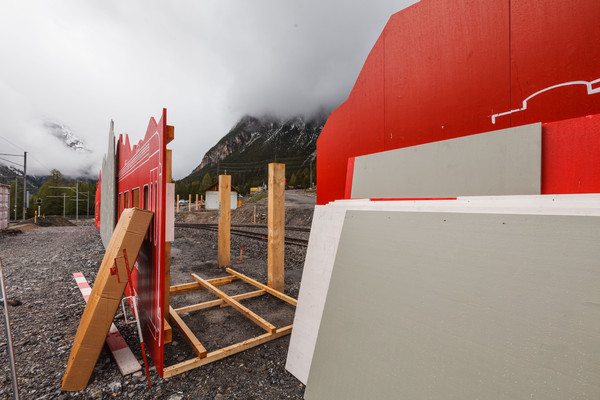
500 246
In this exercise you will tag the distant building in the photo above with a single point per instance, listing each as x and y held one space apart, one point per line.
4 205
211 197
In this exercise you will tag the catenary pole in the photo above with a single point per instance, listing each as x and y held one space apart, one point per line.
24 184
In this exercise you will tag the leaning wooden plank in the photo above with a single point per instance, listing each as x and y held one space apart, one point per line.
186 287
122 354
188 334
267 289
105 298
235 304
219 302
225 352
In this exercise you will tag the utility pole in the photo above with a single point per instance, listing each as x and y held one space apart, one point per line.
16 195
77 200
24 183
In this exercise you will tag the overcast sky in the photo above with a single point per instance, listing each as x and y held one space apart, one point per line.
83 63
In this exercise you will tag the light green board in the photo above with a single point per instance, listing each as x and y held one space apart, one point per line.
461 306
503 162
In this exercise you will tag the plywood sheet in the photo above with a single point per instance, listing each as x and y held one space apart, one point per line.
324 238
461 306
503 162
108 190
105 297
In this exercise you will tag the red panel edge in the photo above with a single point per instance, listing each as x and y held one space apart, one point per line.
414 199
349 177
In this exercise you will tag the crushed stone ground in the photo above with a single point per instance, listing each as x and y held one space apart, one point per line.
38 267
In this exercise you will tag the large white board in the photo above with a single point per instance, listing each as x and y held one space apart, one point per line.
461 306
324 238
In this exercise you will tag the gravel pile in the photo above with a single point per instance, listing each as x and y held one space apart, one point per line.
38 267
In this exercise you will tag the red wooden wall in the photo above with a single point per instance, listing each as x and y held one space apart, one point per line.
141 169
448 68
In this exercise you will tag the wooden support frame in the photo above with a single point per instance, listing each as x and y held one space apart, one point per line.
204 357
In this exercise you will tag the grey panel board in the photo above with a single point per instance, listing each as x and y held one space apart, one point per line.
503 162
108 190
461 306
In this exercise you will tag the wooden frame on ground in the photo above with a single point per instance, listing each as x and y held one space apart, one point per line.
203 357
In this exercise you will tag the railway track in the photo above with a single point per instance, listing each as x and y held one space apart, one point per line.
250 234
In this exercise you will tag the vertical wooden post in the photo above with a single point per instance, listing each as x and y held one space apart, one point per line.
196 201
276 222
224 220
190 202
168 179
177 203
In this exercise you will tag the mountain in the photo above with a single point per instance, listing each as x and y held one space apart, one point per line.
66 135
247 149
9 173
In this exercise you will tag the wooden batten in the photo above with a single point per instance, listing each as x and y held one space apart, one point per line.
276 226
219 302
224 220
267 289
224 352
237 305
186 287
188 334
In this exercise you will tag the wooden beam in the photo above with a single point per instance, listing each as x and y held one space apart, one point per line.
186 287
168 178
188 334
105 298
276 226
264 287
168 332
219 302
170 133
237 305
224 220
224 352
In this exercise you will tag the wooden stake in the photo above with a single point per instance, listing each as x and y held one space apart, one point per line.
177 203
224 220
190 203
196 201
276 224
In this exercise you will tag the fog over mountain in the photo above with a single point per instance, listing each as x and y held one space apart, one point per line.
81 64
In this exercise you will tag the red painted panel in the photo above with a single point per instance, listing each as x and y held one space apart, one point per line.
453 68
554 43
97 205
142 166
571 156
349 177
446 70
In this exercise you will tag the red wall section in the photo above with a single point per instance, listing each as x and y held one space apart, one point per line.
571 156
446 70
139 167
442 68
554 42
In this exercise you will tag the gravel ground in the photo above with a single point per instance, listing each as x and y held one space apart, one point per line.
38 267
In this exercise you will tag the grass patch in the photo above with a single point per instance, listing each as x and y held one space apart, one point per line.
257 197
